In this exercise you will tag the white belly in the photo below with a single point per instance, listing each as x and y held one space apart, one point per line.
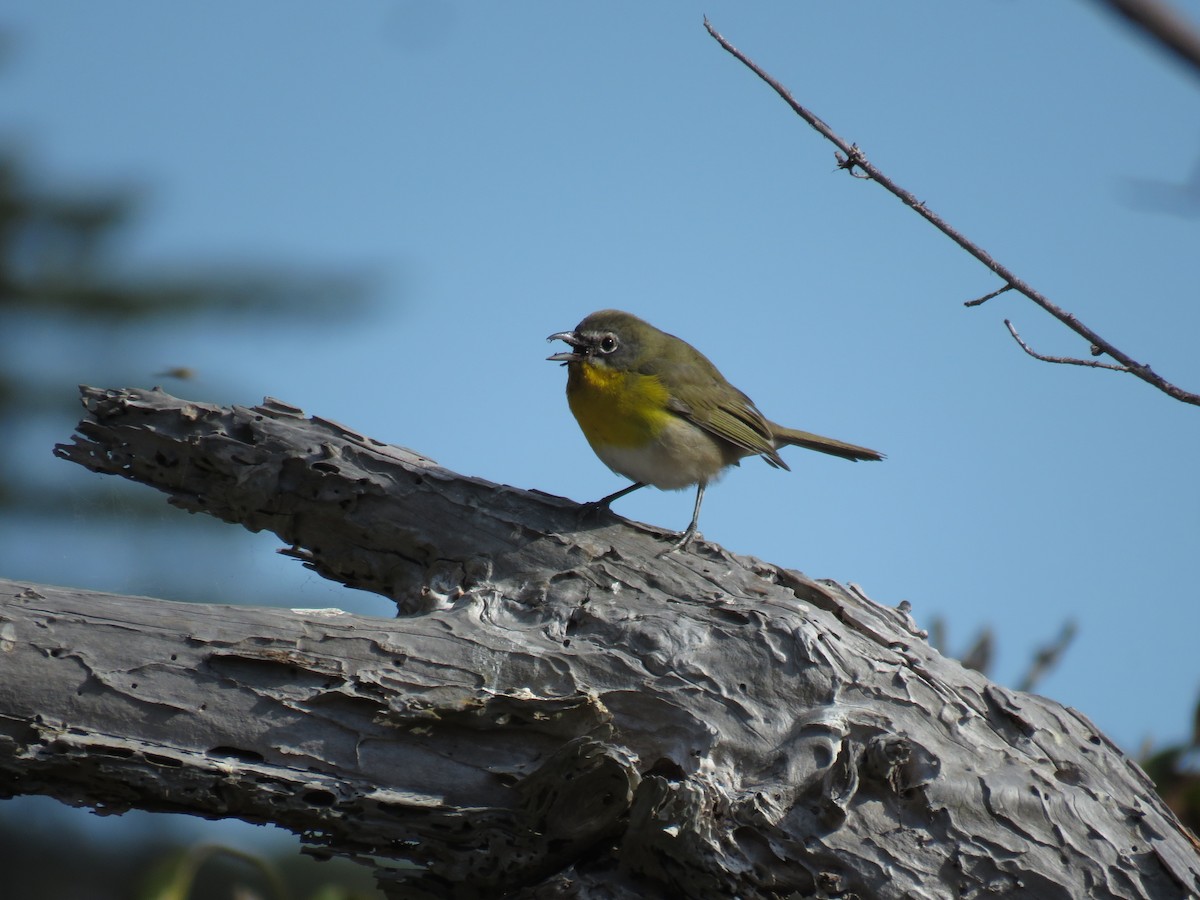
682 455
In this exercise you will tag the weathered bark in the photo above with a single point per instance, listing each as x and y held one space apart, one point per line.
561 713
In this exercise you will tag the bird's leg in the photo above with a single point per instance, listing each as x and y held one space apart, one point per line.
605 502
690 532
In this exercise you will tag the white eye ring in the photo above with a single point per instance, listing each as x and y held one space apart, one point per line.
608 343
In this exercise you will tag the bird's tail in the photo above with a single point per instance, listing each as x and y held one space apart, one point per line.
785 436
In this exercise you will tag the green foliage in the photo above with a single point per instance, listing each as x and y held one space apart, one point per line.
174 877
1175 770
211 870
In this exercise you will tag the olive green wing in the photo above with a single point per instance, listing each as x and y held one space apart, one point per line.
701 395
737 421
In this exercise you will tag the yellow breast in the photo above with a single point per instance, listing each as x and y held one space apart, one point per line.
617 409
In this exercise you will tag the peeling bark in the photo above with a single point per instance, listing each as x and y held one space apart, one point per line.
559 713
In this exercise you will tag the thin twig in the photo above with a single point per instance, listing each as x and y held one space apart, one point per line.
979 301
1064 360
851 157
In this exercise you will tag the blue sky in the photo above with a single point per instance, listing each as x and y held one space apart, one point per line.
501 170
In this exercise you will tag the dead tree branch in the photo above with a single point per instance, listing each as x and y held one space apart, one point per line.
1164 25
851 157
561 713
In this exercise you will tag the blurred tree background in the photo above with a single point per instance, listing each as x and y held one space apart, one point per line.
74 309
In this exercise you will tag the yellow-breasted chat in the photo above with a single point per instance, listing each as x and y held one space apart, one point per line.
656 411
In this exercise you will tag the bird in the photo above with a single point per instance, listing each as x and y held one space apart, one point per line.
658 412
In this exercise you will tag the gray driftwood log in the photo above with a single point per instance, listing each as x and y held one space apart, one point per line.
558 712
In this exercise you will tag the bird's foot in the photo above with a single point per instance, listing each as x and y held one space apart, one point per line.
602 505
681 544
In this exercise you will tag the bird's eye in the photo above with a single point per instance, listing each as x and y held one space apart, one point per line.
608 343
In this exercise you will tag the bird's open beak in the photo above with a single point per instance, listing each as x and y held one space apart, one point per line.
569 355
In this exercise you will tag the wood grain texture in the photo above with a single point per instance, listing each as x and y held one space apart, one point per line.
558 713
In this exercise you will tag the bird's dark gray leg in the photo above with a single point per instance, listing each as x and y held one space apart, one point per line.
691 529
